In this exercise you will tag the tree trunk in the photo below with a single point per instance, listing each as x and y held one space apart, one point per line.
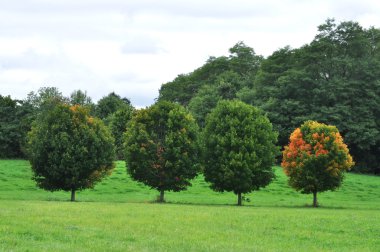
161 198
315 201
239 199
72 194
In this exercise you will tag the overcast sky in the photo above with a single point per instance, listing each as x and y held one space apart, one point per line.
132 47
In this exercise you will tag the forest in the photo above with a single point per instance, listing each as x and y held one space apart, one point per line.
335 79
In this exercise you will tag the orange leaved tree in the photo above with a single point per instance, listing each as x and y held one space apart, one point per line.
316 158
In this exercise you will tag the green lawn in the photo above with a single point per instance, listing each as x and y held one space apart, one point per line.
117 215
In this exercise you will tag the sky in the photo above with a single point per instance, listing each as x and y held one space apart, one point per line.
133 47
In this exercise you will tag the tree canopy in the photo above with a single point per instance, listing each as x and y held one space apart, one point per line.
161 147
110 104
15 119
242 64
335 79
69 150
118 125
316 158
239 148
17 116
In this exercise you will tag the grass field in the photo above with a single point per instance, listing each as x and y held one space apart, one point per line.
118 215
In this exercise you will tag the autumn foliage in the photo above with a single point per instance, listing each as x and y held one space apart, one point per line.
316 158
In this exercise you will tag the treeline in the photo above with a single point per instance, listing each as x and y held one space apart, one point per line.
70 150
335 79
17 116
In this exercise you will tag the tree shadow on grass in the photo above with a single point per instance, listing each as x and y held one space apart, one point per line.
214 204
304 206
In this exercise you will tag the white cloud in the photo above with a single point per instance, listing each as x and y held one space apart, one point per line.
132 47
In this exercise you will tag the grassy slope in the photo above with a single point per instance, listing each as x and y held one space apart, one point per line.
202 220
358 191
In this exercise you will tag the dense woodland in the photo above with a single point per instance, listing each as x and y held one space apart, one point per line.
335 79
17 116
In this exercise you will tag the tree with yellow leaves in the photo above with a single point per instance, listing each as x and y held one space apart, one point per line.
316 158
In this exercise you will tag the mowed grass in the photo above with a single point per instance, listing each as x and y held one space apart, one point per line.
118 215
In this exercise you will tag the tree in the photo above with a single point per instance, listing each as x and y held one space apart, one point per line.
118 126
225 87
280 90
69 150
243 60
228 73
36 103
10 136
78 97
316 158
201 104
239 148
110 104
45 98
161 147
15 120
115 113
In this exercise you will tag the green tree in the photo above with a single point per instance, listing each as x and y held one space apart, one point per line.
226 86
115 112
229 74
279 90
78 97
244 61
316 158
69 150
15 119
179 90
9 128
110 104
45 98
161 147
201 104
239 148
118 126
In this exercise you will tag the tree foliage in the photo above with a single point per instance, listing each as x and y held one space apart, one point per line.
15 120
45 98
9 128
110 104
161 147
115 112
225 74
239 148
69 150
118 126
316 158
334 79
78 97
